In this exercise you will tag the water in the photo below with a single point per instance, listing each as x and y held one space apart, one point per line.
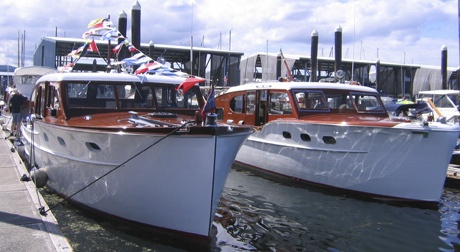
257 214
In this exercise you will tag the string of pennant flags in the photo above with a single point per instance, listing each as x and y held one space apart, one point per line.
104 28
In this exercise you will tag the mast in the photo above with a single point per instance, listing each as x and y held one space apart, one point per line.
287 66
191 41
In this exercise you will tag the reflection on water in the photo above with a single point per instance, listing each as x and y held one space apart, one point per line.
449 208
271 216
256 214
88 232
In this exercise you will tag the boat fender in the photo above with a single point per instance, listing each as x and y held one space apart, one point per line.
39 177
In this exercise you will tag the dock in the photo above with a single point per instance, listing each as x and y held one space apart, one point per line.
453 176
22 227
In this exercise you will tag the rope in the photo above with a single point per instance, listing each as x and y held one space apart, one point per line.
120 165
41 209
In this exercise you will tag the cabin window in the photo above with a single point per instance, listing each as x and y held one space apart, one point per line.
311 100
168 97
237 104
37 94
103 91
42 101
443 101
52 100
367 102
188 100
251 103
279 104
339 101
135 96
91 96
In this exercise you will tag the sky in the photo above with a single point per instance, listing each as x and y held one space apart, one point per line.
393 31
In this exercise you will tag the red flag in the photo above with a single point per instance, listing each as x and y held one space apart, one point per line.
117 48
147 67
66 68
189 83
132 48
92 47
77 52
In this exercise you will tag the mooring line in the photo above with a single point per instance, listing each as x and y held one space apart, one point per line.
41 208
115 168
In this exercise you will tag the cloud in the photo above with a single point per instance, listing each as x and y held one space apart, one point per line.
396 29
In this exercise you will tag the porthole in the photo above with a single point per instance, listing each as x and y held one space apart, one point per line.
45 136
61 141
305 137
286 134
92 146
329 140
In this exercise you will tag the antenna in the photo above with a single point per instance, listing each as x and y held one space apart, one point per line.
354 31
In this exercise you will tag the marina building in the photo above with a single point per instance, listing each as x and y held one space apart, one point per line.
229 68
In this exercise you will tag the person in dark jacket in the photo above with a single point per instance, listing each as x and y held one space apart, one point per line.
15 106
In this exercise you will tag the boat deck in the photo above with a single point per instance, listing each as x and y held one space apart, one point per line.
21 225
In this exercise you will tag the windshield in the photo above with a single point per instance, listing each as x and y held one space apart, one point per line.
128 96
340 100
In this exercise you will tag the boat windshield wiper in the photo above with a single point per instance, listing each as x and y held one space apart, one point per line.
84 88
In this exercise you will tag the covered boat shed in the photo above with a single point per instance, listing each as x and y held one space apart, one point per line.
6 77
393 79
219 66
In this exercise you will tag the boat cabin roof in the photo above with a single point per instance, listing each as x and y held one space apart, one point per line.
110 77
440 92
300 85
34 71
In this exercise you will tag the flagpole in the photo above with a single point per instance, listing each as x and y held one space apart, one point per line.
191 41
191 55
108 55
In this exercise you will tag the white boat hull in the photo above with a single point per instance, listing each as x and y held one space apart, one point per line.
152 189
409 162
6 121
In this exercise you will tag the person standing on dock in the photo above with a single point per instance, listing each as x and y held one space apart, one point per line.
15 106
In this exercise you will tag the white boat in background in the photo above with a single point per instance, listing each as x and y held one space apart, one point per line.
5 118
442 103
339 136
24 78
132 147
